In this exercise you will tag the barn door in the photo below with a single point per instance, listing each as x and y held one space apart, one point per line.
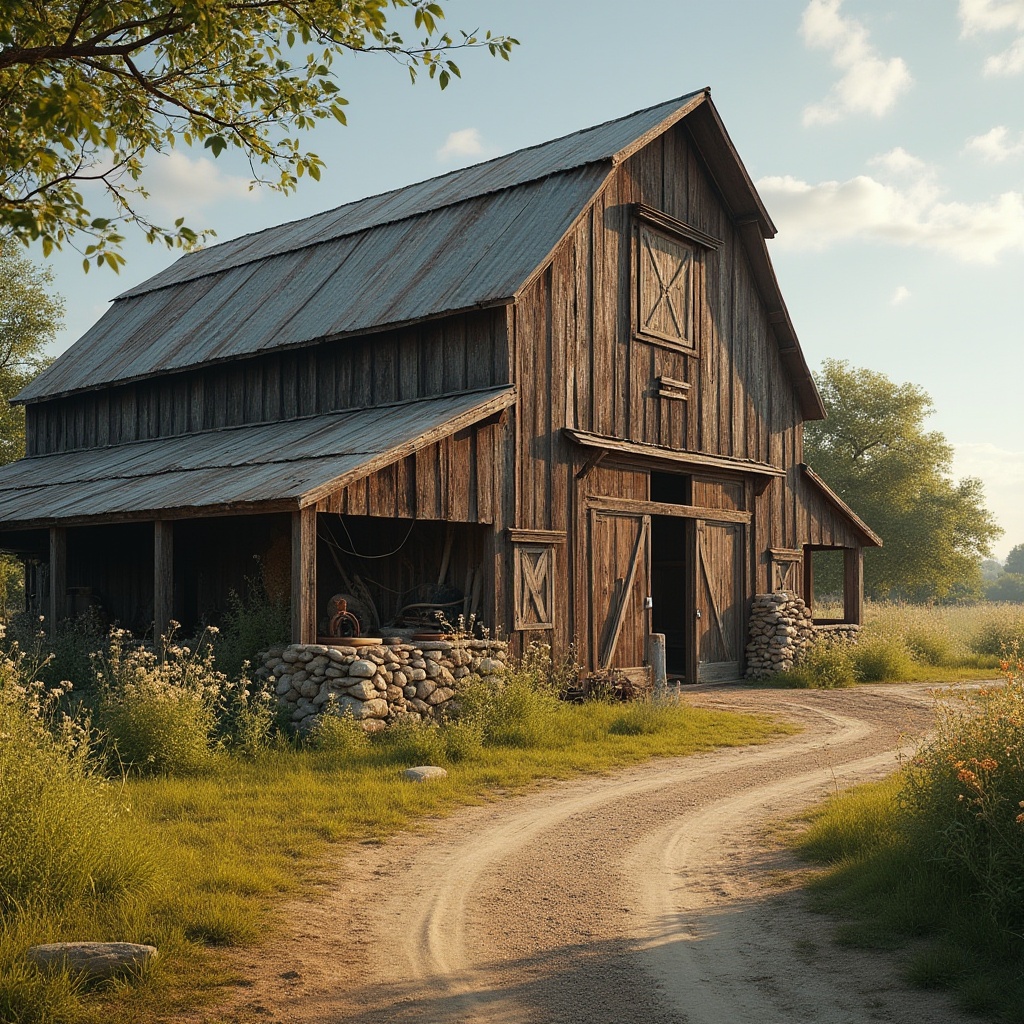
620 583
719 626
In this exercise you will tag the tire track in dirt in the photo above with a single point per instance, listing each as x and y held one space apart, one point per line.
649 895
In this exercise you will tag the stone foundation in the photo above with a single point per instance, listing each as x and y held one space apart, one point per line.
782 629
381 684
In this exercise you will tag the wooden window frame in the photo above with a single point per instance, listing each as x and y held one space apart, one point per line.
791 558
656 223
528 588
853 584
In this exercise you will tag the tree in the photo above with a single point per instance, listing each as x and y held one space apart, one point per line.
875 451
29 319
90 88
1015 560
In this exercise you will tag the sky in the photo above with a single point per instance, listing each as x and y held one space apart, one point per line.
885 138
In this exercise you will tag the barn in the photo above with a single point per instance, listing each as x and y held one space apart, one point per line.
558 391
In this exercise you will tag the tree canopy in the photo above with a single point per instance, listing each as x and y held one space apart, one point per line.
90 88
875 450
29 319
1015 560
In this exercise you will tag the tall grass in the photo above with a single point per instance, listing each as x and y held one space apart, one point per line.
935 854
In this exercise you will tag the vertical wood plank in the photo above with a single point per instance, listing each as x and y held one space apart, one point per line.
304 576
58 576
853 584
163 576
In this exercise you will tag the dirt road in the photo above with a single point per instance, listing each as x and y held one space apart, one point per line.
653 895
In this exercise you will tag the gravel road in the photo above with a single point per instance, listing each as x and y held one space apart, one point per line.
653 895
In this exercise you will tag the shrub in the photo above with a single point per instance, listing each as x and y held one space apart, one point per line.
251 624
882 659
64 837
157 716
965 792
413 743
338 734
933 646
824 665
999 635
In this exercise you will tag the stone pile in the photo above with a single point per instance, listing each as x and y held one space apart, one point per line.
781 628
379 684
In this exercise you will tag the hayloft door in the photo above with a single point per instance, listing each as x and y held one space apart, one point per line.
620 551
718 629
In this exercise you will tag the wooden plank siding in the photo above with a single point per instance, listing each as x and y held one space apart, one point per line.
443 357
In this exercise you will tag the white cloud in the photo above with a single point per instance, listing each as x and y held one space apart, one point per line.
899 162
996 145
899 296
462 144
186 186
1000 16
1001 470
870 83
907 212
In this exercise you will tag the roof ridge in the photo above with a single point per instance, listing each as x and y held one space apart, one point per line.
152 284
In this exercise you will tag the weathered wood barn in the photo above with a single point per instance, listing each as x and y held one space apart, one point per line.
559 389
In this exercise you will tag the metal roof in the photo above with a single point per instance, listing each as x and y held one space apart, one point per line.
466 239
459 257
284 465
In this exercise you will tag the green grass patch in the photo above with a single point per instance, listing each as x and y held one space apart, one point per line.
932 859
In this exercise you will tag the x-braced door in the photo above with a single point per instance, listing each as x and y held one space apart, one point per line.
719 626
620 582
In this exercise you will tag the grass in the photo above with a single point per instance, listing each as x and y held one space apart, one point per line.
932 859
226 845
915 643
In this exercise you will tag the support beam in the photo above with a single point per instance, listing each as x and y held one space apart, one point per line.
58 577
304 576
853 585
163 577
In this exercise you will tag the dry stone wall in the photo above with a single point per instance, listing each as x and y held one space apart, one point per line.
781 629
379 684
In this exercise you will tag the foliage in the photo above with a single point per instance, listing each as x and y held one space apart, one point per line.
63 838
999 636
824 666
875 451
90 91
1015 560
30 317
882 659
253 623
935 854
1007 587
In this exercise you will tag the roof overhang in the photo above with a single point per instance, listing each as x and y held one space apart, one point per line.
871 539
654 454
265 467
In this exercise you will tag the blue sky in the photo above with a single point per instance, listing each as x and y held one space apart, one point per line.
886 139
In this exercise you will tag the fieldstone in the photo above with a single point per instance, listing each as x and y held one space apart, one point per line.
372 725
92 959
417 675
362 688
440 695
424 688
399 678
376 708
363 668
284 684
424 773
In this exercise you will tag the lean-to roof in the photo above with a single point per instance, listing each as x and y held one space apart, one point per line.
283 465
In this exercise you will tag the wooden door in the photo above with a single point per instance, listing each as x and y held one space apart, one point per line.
619 585
720 577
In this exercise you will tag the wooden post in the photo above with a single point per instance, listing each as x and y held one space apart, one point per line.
853 585
656 656
304 576
163 577
809 578
58 576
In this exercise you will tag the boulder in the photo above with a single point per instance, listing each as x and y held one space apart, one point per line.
92 959
424 773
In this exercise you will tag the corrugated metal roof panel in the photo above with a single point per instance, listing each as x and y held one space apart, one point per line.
458 257
609 141
270 462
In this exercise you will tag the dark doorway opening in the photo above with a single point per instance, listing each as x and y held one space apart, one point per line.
670 588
